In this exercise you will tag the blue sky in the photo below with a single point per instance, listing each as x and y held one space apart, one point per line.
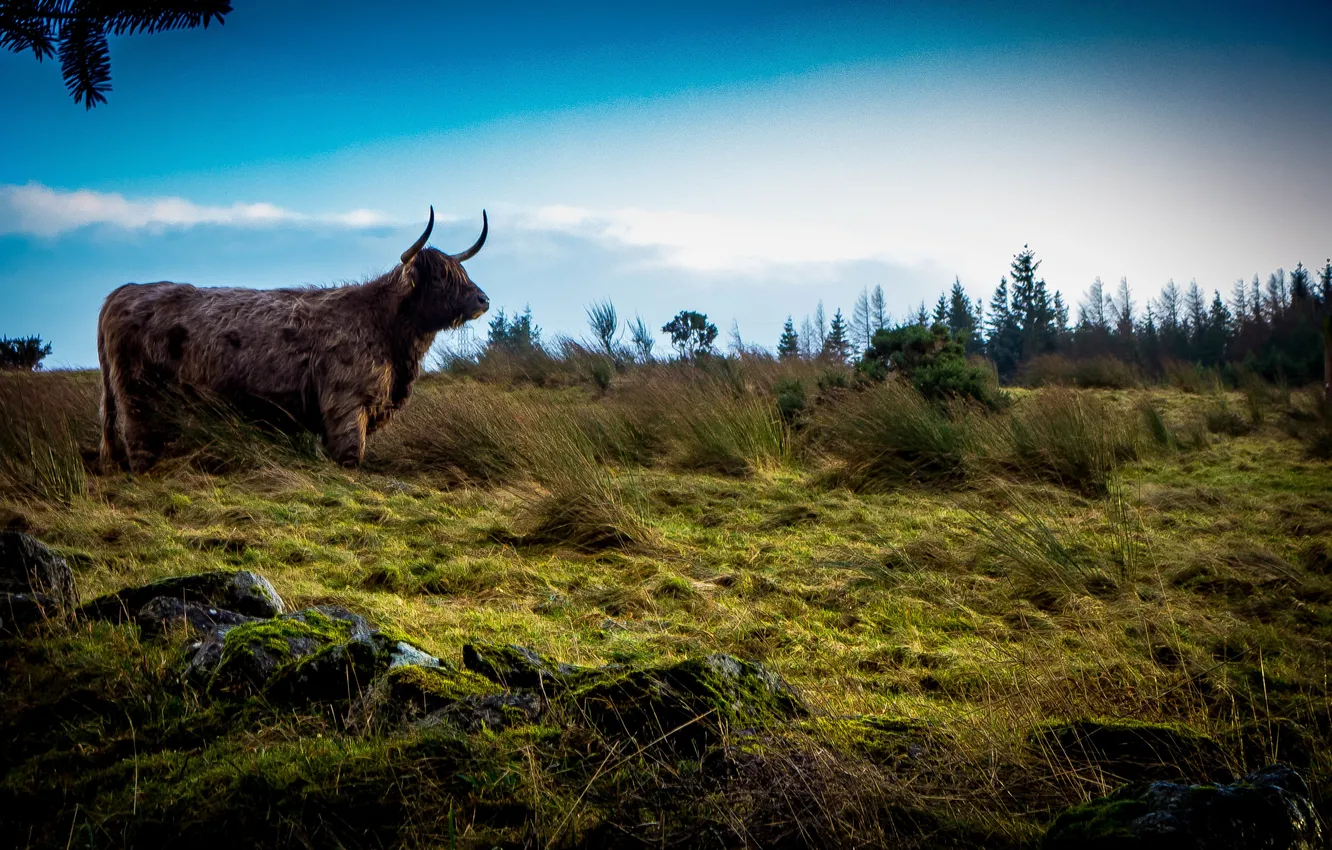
744 159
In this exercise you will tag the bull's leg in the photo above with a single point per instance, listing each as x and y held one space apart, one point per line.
144 442
344 435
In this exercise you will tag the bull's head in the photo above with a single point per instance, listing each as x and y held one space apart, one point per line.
441 294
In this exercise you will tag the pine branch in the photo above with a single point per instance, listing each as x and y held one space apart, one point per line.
145 16
85 61
77 30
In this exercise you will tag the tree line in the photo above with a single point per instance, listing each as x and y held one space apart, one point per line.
1273 328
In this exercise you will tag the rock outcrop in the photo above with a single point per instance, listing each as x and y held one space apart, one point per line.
35 583
1266 810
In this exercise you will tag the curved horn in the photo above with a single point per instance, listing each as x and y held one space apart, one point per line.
420 243
471 252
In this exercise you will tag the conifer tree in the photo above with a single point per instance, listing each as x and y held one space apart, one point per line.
788 346
837 346
940 316
1005 337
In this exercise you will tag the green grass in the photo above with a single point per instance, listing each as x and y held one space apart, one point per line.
984 577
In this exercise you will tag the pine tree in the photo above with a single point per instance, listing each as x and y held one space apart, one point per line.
1195 313
961 319
1217 335
837 346
1122 306
1299 286
940 316
1005 337
1031 306
1325 285
788 346
1060 320
922 316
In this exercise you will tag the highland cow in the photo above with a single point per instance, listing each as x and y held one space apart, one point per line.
337 361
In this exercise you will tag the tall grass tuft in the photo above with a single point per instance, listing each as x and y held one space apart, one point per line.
463 430
583 506
890 434
214 437
1072 438
47 422
1039 563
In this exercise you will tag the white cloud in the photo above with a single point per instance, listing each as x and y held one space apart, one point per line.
707 242
39 210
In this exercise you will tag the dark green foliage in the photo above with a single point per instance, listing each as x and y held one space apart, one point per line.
691 334
790 399
837 346
78 31
24 353
788 346
932 360
516 335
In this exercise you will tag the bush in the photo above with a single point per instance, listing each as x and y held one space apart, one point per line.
23 353
790 399
933 361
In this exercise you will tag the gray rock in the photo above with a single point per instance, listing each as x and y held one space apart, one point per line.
18 611
27 566
1266 810
322 654
241 591
164 612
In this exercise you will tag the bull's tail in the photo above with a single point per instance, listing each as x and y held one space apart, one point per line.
112 449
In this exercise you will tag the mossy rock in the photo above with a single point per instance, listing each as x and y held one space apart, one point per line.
514 666
242 591
1132 750
687 702
325 653
1267 810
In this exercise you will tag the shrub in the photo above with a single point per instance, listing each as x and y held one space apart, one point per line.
23 353
790 399
933 361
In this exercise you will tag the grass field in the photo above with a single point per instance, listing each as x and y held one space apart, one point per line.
962 598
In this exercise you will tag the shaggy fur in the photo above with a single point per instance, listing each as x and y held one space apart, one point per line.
336 361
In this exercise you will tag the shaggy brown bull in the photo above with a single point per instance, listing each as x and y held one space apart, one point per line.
335 361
